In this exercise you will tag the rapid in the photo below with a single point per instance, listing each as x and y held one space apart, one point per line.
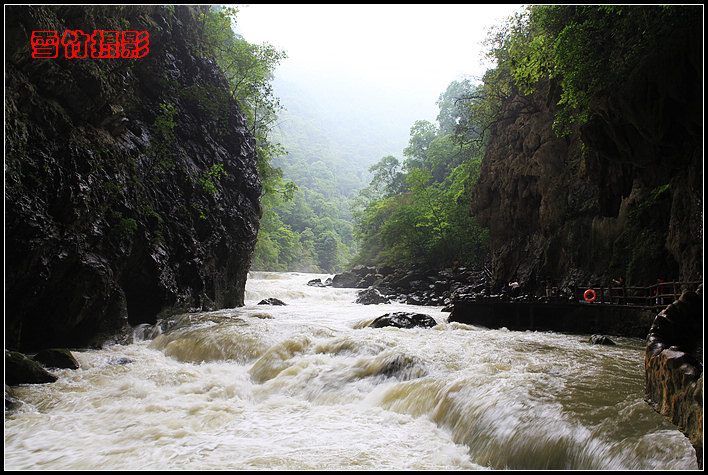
307 386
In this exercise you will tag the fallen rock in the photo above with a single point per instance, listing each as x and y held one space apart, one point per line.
56 358
404 320
271 301
19 369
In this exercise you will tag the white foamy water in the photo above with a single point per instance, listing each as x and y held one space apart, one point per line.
309 386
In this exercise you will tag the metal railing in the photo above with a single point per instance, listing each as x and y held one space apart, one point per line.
657 295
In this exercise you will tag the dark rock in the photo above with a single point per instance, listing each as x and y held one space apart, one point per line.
573 205
108 223
271 301
601 340
19 369
347 280
401 367
119 361
404 320
56 358
673 367
11 403
371 296
316 283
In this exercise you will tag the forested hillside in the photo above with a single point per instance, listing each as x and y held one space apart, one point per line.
329 141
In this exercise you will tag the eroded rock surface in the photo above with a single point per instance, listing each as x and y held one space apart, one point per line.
673 367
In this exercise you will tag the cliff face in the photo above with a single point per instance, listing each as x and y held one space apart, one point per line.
621 196
131 184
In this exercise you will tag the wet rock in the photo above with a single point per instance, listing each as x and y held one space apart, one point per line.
10 401
108 221
347 280
404 320
56 358
601 340
271 301
119 361
673 367
371 296
20 369
316 283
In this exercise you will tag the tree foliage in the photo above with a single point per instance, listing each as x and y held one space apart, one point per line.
415 211
588 49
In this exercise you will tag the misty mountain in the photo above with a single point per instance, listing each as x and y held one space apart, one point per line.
334 129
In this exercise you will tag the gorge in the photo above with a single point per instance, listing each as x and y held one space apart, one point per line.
133 208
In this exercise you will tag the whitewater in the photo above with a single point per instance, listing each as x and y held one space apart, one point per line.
308 386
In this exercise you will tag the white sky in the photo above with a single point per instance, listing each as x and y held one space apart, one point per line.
422 47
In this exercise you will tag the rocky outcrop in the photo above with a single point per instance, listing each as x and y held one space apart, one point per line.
620 196
131 184
673 367
431 287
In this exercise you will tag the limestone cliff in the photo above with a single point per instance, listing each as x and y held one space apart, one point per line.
131 184
620 196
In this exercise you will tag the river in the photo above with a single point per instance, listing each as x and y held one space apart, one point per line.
307 386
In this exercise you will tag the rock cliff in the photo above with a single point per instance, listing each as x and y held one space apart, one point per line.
674 369
620 196
131 183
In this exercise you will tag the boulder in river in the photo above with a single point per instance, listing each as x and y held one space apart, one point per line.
271 301
371 296
316 283
404 320
20 369
601 340
56 358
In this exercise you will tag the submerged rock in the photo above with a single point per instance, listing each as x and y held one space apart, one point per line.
271 301
404 320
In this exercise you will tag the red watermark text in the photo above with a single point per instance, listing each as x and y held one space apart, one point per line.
101 45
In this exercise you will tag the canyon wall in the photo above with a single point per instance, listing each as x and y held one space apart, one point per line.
621 195
131 188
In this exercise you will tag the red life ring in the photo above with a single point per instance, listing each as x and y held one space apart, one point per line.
590 295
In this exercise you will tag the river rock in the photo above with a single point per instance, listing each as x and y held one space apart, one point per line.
316 283
673 368
404 320
20 369
271 301
346 280
601 340
371 296
56 358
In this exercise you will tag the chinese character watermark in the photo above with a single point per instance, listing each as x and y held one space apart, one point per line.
101 45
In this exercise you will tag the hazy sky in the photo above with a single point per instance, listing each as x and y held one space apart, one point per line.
417 47
381 59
